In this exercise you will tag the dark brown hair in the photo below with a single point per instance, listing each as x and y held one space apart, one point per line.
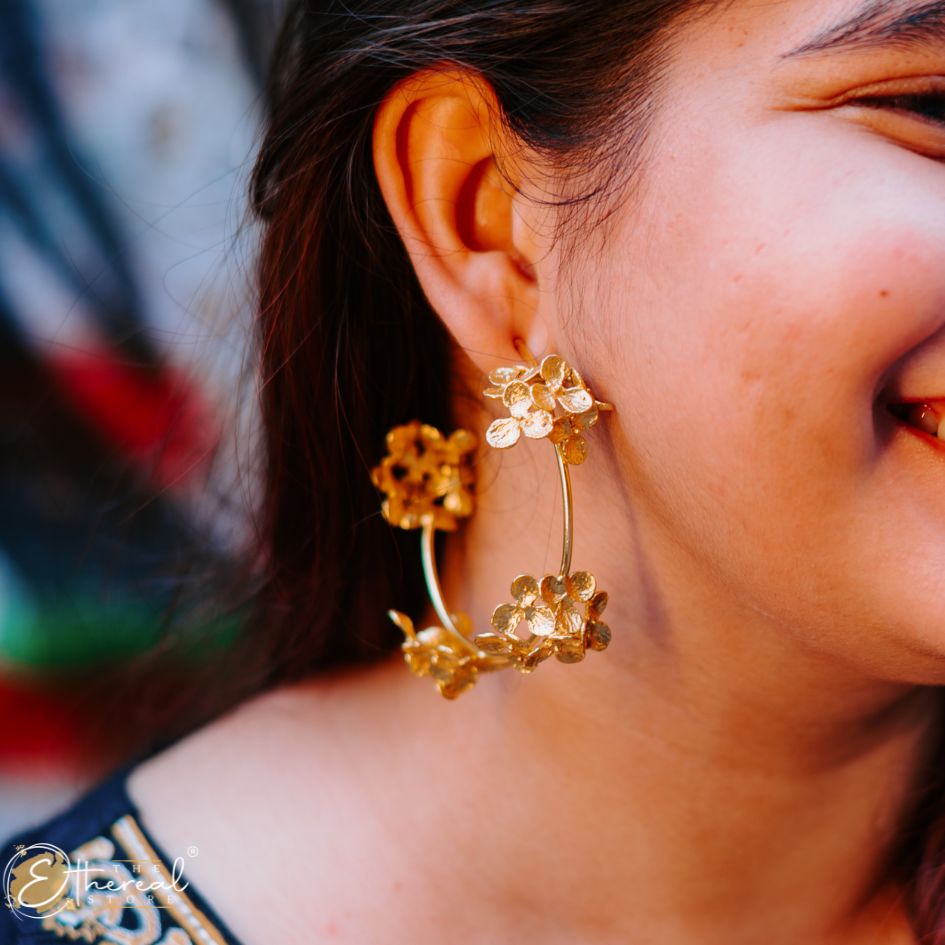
348 346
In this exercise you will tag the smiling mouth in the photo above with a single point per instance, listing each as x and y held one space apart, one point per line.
923 416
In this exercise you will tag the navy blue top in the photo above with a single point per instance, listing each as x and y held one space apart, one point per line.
93 873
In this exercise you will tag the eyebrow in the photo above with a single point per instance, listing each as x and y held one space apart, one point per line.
907 26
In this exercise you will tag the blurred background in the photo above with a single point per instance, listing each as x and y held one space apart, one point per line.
127 131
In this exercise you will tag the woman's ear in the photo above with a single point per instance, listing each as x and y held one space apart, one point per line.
436 142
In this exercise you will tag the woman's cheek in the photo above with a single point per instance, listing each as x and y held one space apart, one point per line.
809 326
771 299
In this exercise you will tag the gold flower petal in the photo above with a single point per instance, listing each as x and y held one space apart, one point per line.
524 589
540 619
574 377
459 502
552 588
504 375
574 450
575 399
503 433
443 520
430 436
537 424
518 399
537 654
597 634
505 618
402 621
433 636
569 621
518 647
570 650
463 441
394 509
399 438
542 397
581 585
597 603
417 658
496 644
563 429
459 680
553 370
410 520
457 685
586 419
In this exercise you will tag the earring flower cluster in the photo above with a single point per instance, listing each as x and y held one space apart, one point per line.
551 609
426 476
433 652
531 392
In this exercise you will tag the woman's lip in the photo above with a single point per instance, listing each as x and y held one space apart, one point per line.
907 407
930 438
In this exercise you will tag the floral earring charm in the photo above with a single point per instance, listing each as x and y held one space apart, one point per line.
429 480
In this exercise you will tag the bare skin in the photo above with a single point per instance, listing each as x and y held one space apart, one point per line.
733 768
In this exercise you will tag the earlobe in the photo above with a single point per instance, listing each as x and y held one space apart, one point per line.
435 142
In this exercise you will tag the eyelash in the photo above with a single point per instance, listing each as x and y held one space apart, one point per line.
905 102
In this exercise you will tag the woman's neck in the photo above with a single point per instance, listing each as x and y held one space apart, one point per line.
618 802
708 777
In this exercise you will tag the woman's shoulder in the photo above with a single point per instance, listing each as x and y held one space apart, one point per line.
283 798
239 803
92 872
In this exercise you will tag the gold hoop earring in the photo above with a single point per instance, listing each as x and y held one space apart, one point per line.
428 480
